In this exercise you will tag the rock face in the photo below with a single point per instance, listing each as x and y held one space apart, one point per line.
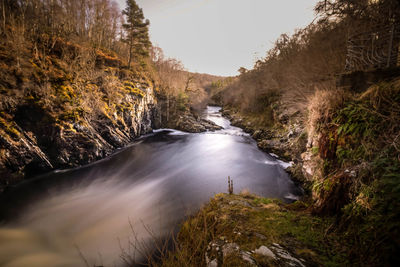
188 123
286 139
42 144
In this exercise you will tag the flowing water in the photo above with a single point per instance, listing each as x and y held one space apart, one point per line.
65 218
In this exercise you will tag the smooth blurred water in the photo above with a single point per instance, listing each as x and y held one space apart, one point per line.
64 216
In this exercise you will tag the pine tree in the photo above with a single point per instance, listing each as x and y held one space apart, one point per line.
137 31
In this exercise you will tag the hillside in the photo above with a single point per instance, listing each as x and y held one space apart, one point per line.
60 111
72 94
316 101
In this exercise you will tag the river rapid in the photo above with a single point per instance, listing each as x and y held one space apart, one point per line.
88 215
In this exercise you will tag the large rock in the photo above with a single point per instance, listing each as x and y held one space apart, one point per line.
188 123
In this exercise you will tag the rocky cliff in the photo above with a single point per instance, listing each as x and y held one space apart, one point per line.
38 142
68 107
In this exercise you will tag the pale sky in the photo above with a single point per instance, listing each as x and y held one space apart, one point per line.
220 36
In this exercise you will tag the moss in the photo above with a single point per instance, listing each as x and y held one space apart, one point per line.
9 127
74 115
182 102
131 88
315 150
124 106
108 111
243 219
67 93
361 137
328 184
261 200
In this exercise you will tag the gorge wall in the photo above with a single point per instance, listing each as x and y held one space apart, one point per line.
41 144
68 107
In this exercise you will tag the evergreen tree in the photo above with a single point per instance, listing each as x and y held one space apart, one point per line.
137 31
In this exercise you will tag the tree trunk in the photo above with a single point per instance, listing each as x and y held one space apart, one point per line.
167 107
130 52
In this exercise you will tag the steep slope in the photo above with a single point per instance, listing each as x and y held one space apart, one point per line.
67 106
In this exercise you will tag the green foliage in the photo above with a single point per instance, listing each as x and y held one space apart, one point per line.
362 123
182 102
227 215
262 200
137 32
365 131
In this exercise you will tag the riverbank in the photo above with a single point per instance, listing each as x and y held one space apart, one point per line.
57 111
170 173
285 139
345 151
248 230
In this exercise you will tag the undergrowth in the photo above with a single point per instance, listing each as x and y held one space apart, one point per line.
360 145
242 219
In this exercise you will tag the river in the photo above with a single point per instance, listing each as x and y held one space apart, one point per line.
65 218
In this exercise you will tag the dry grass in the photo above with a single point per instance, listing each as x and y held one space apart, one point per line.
249 221
186 248
245 192
322 106
358 140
